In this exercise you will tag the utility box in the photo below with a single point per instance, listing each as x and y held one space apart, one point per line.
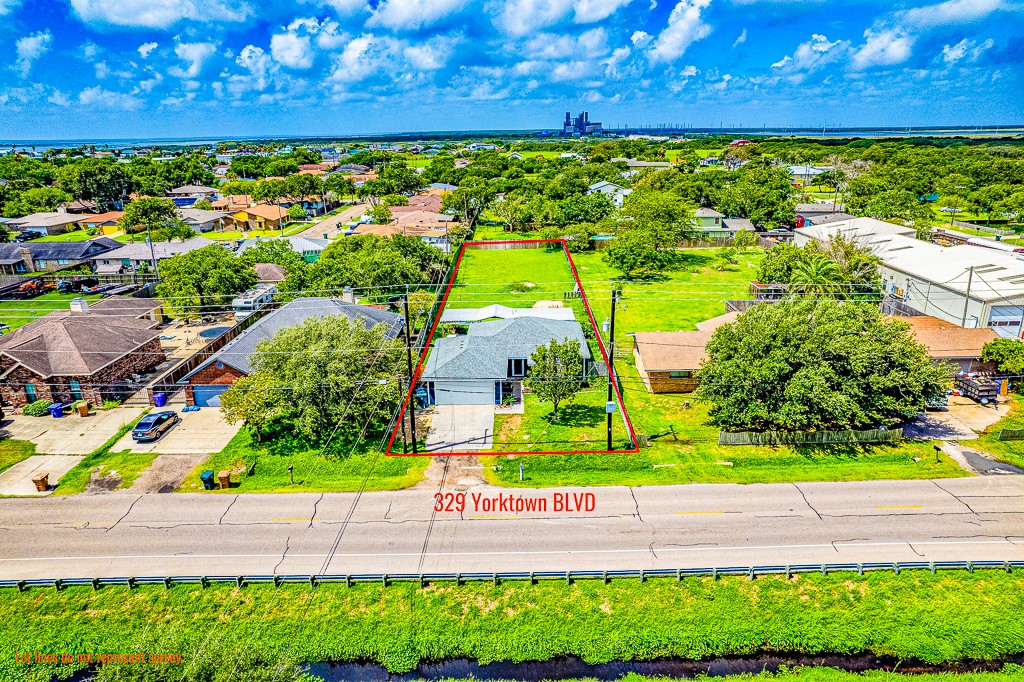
42 482
224 478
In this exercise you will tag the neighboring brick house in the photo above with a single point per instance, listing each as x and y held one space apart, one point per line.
207 382
668 361
47 256
90 353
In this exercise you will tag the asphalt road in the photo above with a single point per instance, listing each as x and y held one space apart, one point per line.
980 518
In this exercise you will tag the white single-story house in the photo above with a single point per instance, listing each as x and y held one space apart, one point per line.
617 193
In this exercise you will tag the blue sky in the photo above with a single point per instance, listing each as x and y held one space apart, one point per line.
136 68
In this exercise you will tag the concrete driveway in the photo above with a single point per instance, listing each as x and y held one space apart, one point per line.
962 419
18 479
201 433
454 428
336 224
71 434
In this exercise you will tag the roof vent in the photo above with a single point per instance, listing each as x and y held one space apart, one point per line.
79 305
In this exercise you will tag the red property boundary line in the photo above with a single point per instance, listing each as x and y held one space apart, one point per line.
426 349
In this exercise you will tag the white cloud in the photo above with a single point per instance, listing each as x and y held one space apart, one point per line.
951 54
292 50
724 83
145 48
148 84
641 39
31 48
8 6
195 56
883 47
59 98
519 17
685 27
812 54
259 65
426 57
365 56
413 14
160 13
98 98
589 11
952 12
592 43
740 39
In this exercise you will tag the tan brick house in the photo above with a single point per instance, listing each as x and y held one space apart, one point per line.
86 354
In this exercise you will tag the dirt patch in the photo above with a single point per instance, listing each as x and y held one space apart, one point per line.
103 481
548 304
509 428
166 473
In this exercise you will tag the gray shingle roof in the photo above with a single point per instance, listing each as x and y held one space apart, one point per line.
238 351
483 353
59 250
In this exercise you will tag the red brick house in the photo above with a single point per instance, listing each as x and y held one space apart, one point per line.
86 353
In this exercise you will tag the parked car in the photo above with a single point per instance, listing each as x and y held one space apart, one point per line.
155 425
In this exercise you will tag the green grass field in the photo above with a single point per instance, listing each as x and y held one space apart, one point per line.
581 425
74 236
517 278
124 466
693 455
676 301
13 451
1011 451
338 470
19 313
948 617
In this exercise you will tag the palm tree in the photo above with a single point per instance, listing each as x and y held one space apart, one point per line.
816 276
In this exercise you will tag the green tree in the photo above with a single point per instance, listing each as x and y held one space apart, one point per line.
99 180
512 209
633 252
420 303
367 261
665 216
762 194
339 185
395 200
148 212
726 257
778 263
35 200
556 372
816 276
1008 354
296 212
203 205
202 280
279 252
326 375
814 365
380 214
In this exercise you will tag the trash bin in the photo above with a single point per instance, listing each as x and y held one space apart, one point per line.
207 478
42 482
56 410
224 478
159 399
83 409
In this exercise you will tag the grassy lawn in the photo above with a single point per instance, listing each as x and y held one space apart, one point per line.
126 466
1010 451
74 236
13 451
675 301
497 233
517 278
229 235
693 454
948 617
581 425
335 471
20 313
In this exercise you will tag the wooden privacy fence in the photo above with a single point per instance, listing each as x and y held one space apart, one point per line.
809 437
1011 434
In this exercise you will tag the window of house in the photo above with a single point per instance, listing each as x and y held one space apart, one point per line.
680 374
516 367
30 393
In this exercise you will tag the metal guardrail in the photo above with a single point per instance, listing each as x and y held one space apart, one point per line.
533 576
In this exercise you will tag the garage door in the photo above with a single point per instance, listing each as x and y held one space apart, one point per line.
208 396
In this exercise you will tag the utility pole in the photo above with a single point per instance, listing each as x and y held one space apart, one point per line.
152 251
412 382
967 296
611 366
405 444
